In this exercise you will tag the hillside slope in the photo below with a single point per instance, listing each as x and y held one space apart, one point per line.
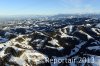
81 42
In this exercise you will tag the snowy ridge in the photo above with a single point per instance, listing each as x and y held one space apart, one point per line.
75 41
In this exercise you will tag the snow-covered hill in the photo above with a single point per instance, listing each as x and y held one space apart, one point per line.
78 42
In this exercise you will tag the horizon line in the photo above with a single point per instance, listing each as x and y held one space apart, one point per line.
49 14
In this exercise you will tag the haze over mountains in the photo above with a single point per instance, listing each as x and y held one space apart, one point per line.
49 33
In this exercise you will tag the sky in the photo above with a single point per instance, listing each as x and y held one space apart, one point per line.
48 7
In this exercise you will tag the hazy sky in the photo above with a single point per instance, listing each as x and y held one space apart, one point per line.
48 7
